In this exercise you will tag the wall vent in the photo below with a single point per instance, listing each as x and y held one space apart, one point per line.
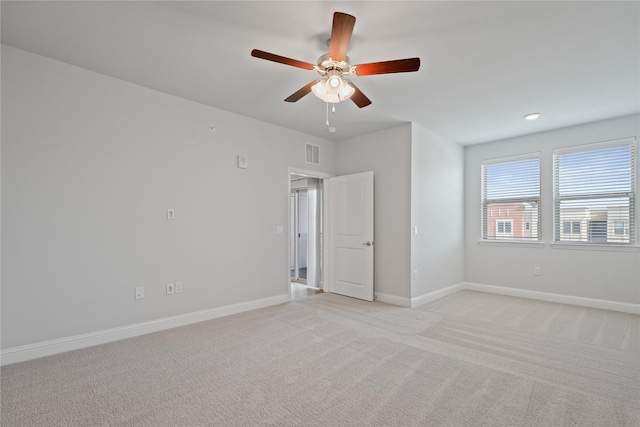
312 154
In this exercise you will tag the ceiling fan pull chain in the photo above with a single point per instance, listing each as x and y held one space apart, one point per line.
327 122
333 110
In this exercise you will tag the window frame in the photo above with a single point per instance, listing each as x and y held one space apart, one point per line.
486 215
559 220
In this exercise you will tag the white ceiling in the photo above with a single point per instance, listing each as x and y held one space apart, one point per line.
484 64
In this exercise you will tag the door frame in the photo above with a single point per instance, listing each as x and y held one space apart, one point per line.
324 284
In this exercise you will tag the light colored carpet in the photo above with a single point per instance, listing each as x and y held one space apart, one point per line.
300 291
471 359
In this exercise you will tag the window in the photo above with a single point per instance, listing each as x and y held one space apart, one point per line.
575 227
594 185
504 229
571 227
620 227
511 188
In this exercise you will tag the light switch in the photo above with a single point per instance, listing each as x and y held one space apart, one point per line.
279 229
171 214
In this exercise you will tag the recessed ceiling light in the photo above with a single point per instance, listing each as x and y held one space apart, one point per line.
532 116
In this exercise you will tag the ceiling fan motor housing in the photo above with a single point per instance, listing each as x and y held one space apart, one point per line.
326 64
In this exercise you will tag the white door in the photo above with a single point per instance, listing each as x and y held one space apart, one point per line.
351 235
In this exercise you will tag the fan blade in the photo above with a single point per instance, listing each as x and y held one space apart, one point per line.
359 98
341 35
281 59
301 92
388 67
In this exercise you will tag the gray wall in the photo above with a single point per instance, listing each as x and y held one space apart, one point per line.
437 209
388 154
89 166
418 178
602 274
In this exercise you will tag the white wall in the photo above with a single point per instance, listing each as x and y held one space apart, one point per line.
89 166
437 209
607 275
388 154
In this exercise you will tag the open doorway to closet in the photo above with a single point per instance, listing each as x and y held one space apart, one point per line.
305 234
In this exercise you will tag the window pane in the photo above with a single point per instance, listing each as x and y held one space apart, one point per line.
601 171
520 178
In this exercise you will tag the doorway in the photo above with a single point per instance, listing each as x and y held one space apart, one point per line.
340 266
299 233
306 224
306 236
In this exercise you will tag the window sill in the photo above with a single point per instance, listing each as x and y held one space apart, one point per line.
512 243
592 247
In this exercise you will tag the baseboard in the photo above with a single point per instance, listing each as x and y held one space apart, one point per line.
427 298
436 295
422 299
392 299
560 298
48 348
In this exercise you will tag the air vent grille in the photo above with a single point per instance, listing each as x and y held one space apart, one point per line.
312 154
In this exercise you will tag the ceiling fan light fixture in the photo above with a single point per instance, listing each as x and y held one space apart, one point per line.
319 89
532 116
333 88
347 90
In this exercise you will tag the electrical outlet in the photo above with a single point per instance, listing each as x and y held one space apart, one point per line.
139 292
415 274
178 287
242 162
537 271
170 288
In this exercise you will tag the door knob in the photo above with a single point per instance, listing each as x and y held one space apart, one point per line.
367 244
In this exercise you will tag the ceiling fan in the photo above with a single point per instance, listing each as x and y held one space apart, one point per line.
332 87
